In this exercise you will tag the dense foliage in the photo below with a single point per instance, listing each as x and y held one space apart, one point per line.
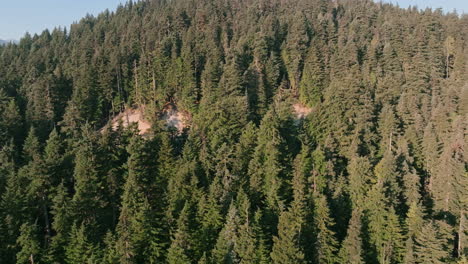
376 173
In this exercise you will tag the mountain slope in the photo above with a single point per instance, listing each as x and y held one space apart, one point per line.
317 132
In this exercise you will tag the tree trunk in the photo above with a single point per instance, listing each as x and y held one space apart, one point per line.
136 81
461 232
46 220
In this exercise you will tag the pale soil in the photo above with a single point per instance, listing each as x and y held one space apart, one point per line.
130 116
173 117
301 111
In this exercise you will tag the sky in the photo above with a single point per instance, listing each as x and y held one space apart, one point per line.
447 5
20 16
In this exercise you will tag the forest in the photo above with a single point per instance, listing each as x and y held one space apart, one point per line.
312 131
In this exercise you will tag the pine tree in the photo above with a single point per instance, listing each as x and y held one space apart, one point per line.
383 227
429 246
31 147
265 167
286 246
61 225
224 251
414 224
87 202
181 243
325 246
361 179
313 79
139 238
79 249
351 249
54 158
29 246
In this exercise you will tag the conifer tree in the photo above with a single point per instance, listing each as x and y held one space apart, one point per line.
414 224
429 246
325 244
265 167
31 147
110 254
87 202
11 123
289 244
224 251
383 227
138 235
181 242
286 246
54 158
61 225
313 78
210 217
351 249
249 246
361 179
79 249
378 166
29 246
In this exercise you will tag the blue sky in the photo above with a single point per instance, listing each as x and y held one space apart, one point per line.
20 16
448 5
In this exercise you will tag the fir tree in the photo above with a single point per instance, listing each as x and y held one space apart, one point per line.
79 249
325 244
181 242
429 246
29 246
351 249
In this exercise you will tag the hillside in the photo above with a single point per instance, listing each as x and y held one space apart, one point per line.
243 131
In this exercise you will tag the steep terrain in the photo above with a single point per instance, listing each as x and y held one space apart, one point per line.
297 131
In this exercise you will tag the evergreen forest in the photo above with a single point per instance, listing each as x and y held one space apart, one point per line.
313 131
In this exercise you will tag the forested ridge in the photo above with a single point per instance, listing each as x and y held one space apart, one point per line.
374 171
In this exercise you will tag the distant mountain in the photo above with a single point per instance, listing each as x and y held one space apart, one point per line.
4 42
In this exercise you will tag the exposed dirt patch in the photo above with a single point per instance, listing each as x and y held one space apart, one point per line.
173 117
301 111
129 116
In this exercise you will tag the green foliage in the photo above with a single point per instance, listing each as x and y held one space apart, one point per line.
430 246
286 247
314 131
79 249
325 243
181 241
351 249
29 245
